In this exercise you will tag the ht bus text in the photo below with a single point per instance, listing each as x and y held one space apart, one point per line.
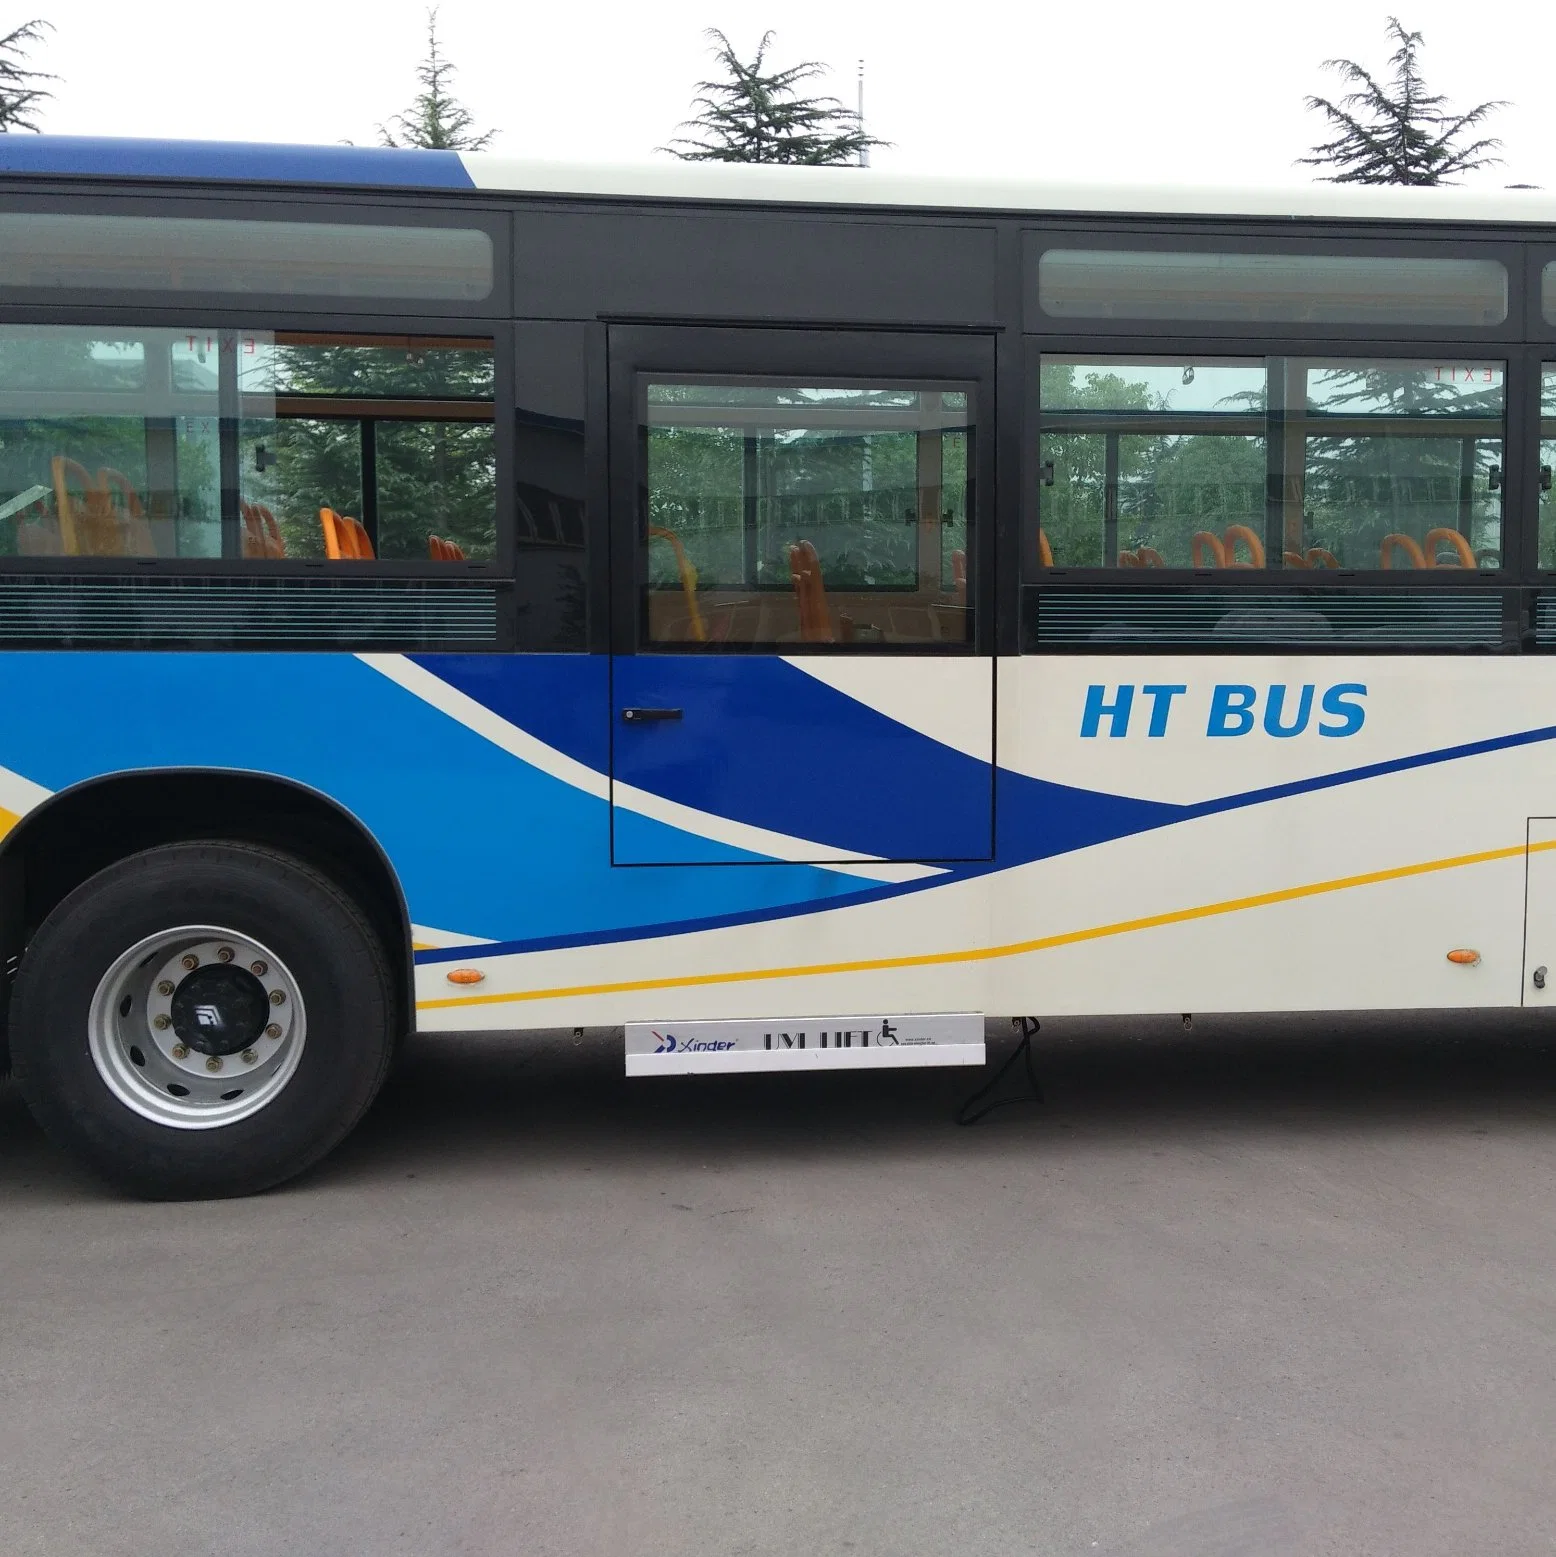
1235 709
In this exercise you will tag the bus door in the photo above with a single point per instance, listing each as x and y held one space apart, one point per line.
802 652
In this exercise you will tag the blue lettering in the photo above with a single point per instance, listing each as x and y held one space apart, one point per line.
1231 710
1116 712
1343 702
1275 706
1161 706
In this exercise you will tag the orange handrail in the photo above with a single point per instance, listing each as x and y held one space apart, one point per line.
1045 552
1435 538
1404 543
688 577
959 575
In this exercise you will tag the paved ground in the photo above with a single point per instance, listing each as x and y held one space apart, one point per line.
1259 1291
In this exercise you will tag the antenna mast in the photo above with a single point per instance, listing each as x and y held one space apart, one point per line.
864 151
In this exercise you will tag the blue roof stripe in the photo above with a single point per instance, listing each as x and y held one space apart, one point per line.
227 161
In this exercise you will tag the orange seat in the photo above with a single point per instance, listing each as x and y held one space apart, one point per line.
1045 552
88 523
1204 541
345 539
959 573
1397 542
1317 557
1436 538
810 594
1249 538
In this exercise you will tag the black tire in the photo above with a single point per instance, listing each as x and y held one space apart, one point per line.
316 930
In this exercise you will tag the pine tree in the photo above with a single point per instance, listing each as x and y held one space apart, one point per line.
753 114
20 95
436 119
1399 133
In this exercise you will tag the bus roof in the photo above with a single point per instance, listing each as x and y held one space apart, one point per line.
68 156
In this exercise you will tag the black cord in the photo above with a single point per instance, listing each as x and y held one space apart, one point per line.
965 1115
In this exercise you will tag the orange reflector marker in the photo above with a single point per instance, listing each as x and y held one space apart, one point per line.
475 975
1461 955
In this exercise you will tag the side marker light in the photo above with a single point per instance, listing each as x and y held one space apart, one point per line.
466 976
1464 957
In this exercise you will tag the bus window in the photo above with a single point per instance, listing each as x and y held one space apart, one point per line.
1548 462
1153 462
109 443
1299 463
799 514
1548 292
396 434
1401 463
244 446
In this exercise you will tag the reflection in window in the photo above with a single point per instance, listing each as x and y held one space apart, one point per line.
109 444
1281 462
164 443
395 436
1548 464
793 514
1548 292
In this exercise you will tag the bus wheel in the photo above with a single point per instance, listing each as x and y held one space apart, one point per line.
202 1019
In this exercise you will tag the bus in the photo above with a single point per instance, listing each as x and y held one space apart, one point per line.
781 617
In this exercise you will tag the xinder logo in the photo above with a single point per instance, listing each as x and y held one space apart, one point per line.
1234 709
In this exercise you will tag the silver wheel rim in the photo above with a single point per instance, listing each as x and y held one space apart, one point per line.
152 1029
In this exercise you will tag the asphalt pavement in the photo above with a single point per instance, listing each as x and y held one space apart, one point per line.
1262 1289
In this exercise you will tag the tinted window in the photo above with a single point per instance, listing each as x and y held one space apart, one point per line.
189 254
1548 292
1302 463
791 513
245 445
1271 288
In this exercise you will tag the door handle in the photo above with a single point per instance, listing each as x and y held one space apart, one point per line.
648 715
1539 977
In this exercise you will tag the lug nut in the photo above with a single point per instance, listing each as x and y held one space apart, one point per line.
165 987
161 1022
258 969
278 997
214 1063
180 1051
249 1057
274 1030
224 954
190 961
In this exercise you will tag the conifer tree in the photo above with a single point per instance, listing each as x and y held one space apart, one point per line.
1398 133
436 119
753 113
21 95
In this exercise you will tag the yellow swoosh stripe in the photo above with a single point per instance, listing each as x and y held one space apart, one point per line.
1014 949
8 820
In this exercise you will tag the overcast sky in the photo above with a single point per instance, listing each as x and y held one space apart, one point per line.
1194 92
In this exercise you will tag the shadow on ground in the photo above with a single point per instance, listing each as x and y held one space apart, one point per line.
553 1100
